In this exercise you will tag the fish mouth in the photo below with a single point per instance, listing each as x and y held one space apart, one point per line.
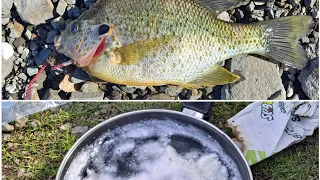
94 53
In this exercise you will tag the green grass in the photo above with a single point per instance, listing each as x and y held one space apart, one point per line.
40 150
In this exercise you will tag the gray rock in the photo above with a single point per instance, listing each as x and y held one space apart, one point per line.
42 57
61 8
290 90
7 127
66 126
309 79
31 71
173 90
25 53
79 130
6 6
89 87
20 50
87 96
19 42
128 89
23 76
305 40
7 66
79 76
51 35
158 97
16 30
33 124
28 34
5 21
20 123
35 11
70 1
51 95
259 80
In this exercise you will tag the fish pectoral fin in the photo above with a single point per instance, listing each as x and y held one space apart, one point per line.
133 53
217 76
218 6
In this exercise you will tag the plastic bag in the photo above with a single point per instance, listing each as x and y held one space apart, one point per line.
265 128
12 111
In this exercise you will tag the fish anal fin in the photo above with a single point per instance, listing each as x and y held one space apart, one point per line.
217 76
133 53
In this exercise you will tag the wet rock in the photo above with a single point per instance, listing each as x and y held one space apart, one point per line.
42 33
87 96
309 79
42 57
51 35
259 80
309 3
79 76
6 6
20 123
89 87
35 11
89 3
7 127
58 23
79 130
61 8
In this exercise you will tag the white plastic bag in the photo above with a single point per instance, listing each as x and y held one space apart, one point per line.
265 128
13 110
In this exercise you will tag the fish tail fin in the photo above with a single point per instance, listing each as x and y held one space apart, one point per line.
283 39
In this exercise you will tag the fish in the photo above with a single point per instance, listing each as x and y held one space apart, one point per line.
177 42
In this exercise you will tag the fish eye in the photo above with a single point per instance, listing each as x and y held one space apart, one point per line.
74 28
103 29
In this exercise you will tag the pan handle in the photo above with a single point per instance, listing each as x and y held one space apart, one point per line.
201 110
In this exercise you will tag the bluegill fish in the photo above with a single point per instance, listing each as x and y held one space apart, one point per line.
180 42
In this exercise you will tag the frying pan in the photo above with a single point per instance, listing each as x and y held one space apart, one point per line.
225 142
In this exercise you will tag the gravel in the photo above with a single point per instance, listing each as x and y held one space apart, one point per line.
31 26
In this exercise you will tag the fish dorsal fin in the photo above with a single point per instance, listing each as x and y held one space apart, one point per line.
218 6
217 76
133 53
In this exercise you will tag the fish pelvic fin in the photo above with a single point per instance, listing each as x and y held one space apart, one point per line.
133 53
217 76
284 36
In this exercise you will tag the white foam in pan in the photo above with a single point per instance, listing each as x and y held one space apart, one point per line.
145 151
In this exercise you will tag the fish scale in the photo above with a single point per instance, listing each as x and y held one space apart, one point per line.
158 42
